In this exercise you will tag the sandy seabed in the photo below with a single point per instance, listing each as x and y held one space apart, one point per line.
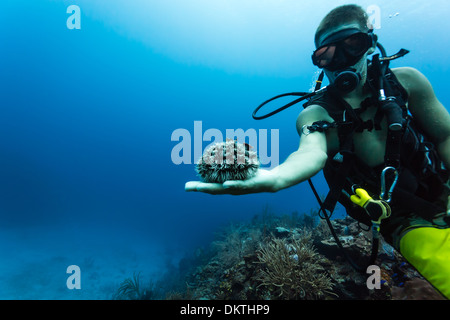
34 262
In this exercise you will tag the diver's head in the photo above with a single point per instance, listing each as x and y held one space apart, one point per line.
343 40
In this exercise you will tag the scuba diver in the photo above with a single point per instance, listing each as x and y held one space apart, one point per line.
381 137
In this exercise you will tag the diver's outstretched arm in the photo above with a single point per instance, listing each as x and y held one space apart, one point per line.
307 161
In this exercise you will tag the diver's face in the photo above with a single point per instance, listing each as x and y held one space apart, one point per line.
331 31
360 66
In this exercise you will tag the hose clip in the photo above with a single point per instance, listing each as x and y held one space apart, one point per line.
385 194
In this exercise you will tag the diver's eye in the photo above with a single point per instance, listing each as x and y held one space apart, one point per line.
324 55
356 44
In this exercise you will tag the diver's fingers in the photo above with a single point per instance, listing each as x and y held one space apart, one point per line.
262 182
191 186
213 188
235 184
228 187
241 187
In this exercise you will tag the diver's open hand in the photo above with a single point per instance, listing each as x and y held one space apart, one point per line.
263 181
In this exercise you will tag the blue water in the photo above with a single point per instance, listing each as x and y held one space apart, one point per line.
87 115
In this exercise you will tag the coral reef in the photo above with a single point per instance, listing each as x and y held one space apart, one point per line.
285 257
132 289
292 269
272 257
229 160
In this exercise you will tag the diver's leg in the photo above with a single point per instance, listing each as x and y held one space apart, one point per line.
428 250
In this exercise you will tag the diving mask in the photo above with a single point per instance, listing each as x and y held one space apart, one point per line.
343 49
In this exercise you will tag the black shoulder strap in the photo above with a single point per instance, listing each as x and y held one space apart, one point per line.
346 128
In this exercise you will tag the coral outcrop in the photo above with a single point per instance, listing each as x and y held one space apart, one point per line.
286 257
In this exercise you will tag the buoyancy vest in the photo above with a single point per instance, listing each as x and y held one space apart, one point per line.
422 174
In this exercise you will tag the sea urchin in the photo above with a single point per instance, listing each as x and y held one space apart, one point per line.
229 160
